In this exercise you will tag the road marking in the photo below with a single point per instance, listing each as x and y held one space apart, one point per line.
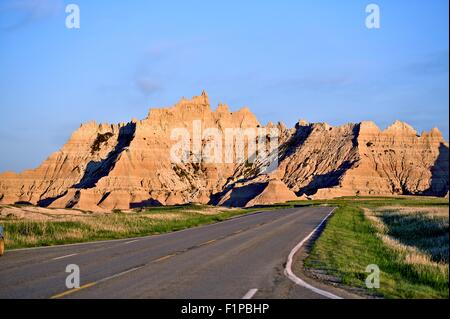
66 256
164 258
238 231
71 291
208 242
250 294
120 274
290 274
131 241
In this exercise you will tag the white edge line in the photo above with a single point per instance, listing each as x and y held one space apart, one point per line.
250 294
66 256
290 274
131 241
119 274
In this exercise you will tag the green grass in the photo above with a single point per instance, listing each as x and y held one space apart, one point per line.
373 202
427 233
350 242
26 233
21 233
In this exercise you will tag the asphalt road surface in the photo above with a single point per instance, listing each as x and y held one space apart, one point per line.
244 256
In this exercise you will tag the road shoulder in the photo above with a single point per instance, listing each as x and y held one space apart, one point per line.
321 280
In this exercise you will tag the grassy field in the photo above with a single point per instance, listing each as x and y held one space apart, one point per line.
57 229
406 238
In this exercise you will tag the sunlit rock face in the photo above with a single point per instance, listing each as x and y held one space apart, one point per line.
104 167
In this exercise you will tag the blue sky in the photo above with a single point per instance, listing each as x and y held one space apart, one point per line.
285 60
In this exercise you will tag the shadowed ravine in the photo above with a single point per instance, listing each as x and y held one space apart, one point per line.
96 170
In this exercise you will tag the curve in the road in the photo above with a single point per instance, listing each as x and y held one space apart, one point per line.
291 275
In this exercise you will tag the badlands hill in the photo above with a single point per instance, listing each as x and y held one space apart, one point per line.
104 167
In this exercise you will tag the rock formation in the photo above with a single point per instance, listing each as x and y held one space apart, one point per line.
104 167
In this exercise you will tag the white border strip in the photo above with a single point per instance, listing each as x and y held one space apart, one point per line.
62 257
290 274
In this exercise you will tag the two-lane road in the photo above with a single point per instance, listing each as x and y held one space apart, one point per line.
244 256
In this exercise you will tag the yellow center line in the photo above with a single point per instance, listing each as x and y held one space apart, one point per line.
208 242
71 291
164 258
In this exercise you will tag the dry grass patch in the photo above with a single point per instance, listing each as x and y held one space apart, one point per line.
412 255
423 228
